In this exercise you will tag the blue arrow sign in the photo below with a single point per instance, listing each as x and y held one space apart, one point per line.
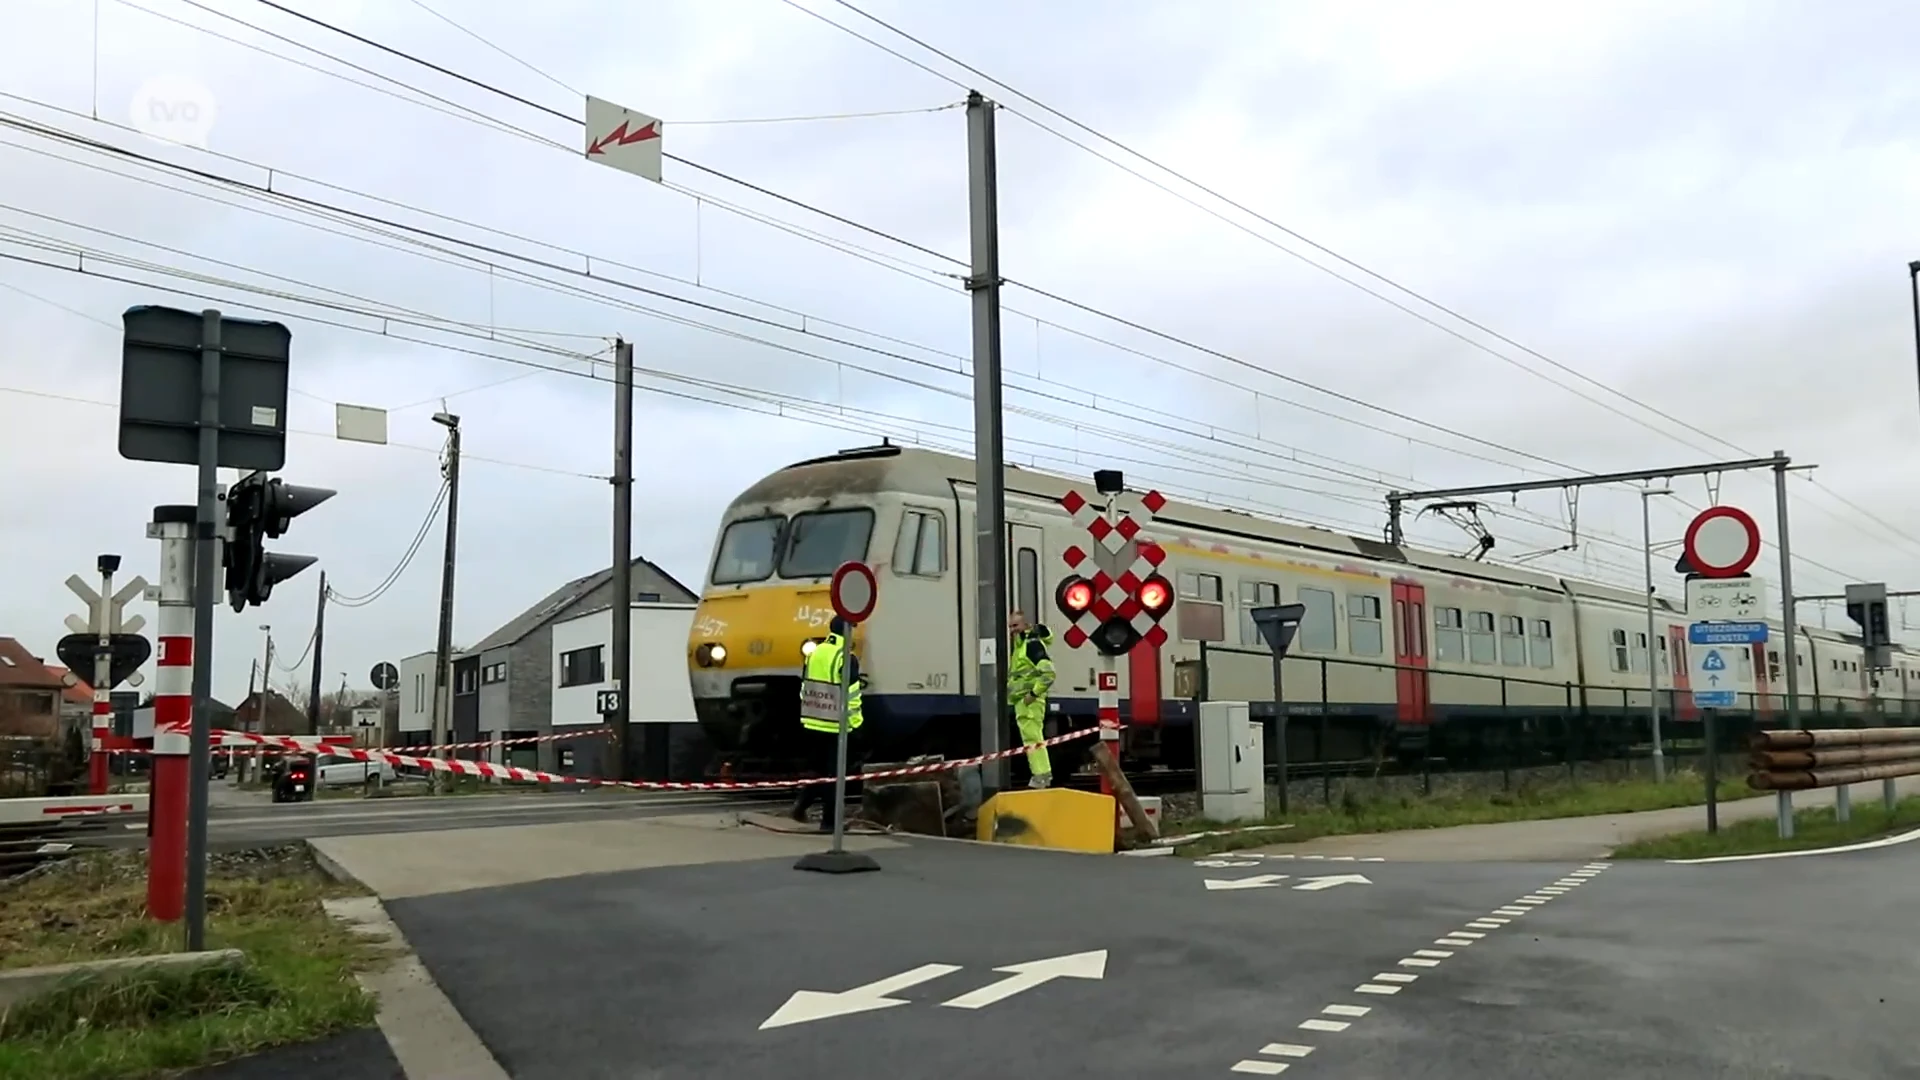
1713 662
1727 633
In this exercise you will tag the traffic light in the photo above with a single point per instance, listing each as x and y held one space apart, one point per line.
1867 606
1074 597
259 508
1136 619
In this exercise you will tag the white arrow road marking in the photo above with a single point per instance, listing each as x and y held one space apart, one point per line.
1021 977
1257 881
808 1005
1330 881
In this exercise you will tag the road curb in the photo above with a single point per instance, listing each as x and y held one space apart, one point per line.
428 1036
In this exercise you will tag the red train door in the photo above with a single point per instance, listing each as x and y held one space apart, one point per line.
1410 650
1682 674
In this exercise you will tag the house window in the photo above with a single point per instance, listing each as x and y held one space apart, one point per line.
582 667
1319 627
1542 643
1617 656
493 673
1449 635
1480 637
1513 641
1365 635
1255 594
465 679
921 550
1203 613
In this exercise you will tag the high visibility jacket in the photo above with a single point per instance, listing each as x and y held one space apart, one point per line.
823 665
1030 673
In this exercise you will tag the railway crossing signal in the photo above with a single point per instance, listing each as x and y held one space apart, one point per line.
258 508
1114 611
1867 606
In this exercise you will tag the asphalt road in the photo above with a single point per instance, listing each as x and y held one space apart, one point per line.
237 825
352 1055
1104 967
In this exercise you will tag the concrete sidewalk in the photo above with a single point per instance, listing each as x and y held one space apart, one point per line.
1561 839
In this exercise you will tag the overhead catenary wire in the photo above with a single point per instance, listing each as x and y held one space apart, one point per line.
334 596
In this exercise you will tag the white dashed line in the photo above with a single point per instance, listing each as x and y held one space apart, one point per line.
1390 983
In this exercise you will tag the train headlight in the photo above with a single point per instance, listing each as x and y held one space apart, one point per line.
712 654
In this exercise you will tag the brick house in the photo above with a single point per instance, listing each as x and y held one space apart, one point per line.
30 694
283 716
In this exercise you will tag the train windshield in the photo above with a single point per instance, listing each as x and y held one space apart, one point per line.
747 551
819 541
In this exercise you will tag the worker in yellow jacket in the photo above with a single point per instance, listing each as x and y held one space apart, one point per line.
1030 676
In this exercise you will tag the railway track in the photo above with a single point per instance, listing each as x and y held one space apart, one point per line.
27 845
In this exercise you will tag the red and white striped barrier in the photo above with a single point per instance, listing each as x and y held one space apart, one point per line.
489 770
60 807
232 742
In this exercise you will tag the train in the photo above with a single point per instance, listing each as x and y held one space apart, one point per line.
1405 641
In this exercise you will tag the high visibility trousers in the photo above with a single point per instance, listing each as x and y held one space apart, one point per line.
1031 718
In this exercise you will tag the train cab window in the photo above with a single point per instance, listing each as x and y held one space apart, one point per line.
1365 634
1542 645
1617 657
921 549
1449 636
1319 627
1480 641
1254 594
747 550
1026 582
1202 611
818 541
1513 641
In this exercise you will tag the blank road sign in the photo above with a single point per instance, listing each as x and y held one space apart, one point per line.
160 389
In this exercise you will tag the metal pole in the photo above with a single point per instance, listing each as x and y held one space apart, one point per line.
259 721
983 283
1279 729
319 652
619 737
1712 770
1789 654
172 713
1653 673
207 528
1913 280
839 807
102 718
443 647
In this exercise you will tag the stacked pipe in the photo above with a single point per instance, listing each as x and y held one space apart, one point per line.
1801 760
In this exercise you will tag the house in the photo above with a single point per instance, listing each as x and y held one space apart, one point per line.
503 686
283 717
669 744
76 699
30 695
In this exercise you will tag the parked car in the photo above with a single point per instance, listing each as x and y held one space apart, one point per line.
346 772
293 780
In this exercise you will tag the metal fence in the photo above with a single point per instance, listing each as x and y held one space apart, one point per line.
1355 717
33 768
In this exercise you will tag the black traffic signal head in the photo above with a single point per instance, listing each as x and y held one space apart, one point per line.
1867 606
1115 637
257 508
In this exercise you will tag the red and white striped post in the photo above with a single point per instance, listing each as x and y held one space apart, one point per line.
172 716
102 618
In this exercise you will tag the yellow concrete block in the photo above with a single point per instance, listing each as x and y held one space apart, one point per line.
1052 818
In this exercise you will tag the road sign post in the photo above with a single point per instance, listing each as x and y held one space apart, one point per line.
854 592
108 645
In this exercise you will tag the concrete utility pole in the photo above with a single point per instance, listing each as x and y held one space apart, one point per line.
443 648
319 651
1913 284
990 511
1653 672
619 751
259 722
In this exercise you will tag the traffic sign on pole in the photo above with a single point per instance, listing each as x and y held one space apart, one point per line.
1722 542
1714 599
1727 633
1713 678
854 591
624 139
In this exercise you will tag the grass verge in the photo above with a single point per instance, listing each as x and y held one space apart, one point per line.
1357 813
297 985
1814 827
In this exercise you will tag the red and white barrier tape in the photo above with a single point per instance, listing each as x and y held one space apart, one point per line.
491 771
589 733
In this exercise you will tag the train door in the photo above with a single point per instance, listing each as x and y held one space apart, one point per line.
1410 650
1682 668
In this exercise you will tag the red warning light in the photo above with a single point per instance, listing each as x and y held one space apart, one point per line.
1156 596
1076 596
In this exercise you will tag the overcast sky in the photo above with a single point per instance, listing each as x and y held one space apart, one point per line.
1707 207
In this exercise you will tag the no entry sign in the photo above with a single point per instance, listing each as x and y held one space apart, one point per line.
854 591
1722 541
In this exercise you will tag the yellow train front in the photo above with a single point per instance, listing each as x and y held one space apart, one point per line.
766 601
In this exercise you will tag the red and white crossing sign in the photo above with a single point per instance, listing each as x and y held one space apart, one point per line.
627 140
1137 596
